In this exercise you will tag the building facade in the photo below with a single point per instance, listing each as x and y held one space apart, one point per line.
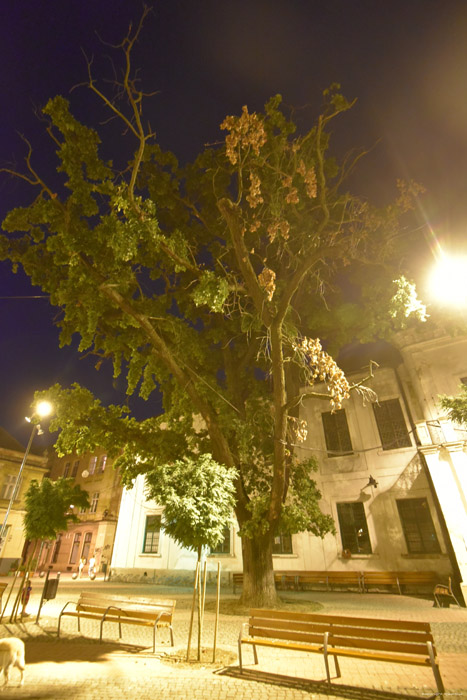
392 473
94 534
35 467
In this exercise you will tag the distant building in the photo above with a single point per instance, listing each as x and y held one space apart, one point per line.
11 457
393 475
94 534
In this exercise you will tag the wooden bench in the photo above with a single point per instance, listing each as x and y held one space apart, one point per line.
237 581
396 641
329 579
345 578
126 610
415 579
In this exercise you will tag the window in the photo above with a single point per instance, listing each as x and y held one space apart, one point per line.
152 534
86 545
336 432
75 548
102 463
74 471
92 465
94 502
391 425
8 486
58 544
417 524
282 544
223 547
353 527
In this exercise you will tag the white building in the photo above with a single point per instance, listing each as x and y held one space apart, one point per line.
392 474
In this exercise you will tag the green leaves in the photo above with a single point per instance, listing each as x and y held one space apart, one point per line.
198 498
199 281
456 406
48 509
211 291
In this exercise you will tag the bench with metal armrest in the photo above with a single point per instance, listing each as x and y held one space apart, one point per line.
396 641
126 610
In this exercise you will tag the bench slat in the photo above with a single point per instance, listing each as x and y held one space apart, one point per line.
259 614
392 658
336 629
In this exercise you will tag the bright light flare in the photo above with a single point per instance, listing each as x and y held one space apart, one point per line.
448 281
44 408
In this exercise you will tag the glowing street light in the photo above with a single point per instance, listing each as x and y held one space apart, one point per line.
43 409
448 281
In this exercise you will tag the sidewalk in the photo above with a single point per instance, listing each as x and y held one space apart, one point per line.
77 666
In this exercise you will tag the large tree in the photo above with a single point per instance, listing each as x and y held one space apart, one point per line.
212 283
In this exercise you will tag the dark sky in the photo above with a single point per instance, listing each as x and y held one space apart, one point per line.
405 61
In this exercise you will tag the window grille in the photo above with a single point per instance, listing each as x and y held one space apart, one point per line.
336 433
353 527
417 525
391 425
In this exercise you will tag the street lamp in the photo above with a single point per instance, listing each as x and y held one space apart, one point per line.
43 409
448 281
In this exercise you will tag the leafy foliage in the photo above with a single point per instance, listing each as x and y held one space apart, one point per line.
212 283
48 507
456 406
198 495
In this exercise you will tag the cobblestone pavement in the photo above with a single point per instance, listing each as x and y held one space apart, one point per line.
77 666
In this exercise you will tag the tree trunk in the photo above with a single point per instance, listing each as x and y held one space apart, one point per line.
258 575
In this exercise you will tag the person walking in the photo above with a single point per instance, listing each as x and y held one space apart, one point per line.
92 566
82 563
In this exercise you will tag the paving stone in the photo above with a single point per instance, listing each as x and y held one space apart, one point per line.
77 666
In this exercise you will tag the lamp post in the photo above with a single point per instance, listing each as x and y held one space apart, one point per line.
43 409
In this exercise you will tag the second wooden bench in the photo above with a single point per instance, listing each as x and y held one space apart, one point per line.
396 641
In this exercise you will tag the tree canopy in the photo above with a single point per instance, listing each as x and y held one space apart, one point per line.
217 283
48 509
198 498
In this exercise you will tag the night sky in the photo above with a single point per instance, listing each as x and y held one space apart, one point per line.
405 61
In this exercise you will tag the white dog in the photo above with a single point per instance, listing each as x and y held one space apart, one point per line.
11 654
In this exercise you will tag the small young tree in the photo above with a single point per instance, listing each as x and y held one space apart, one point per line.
48 508
199 498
